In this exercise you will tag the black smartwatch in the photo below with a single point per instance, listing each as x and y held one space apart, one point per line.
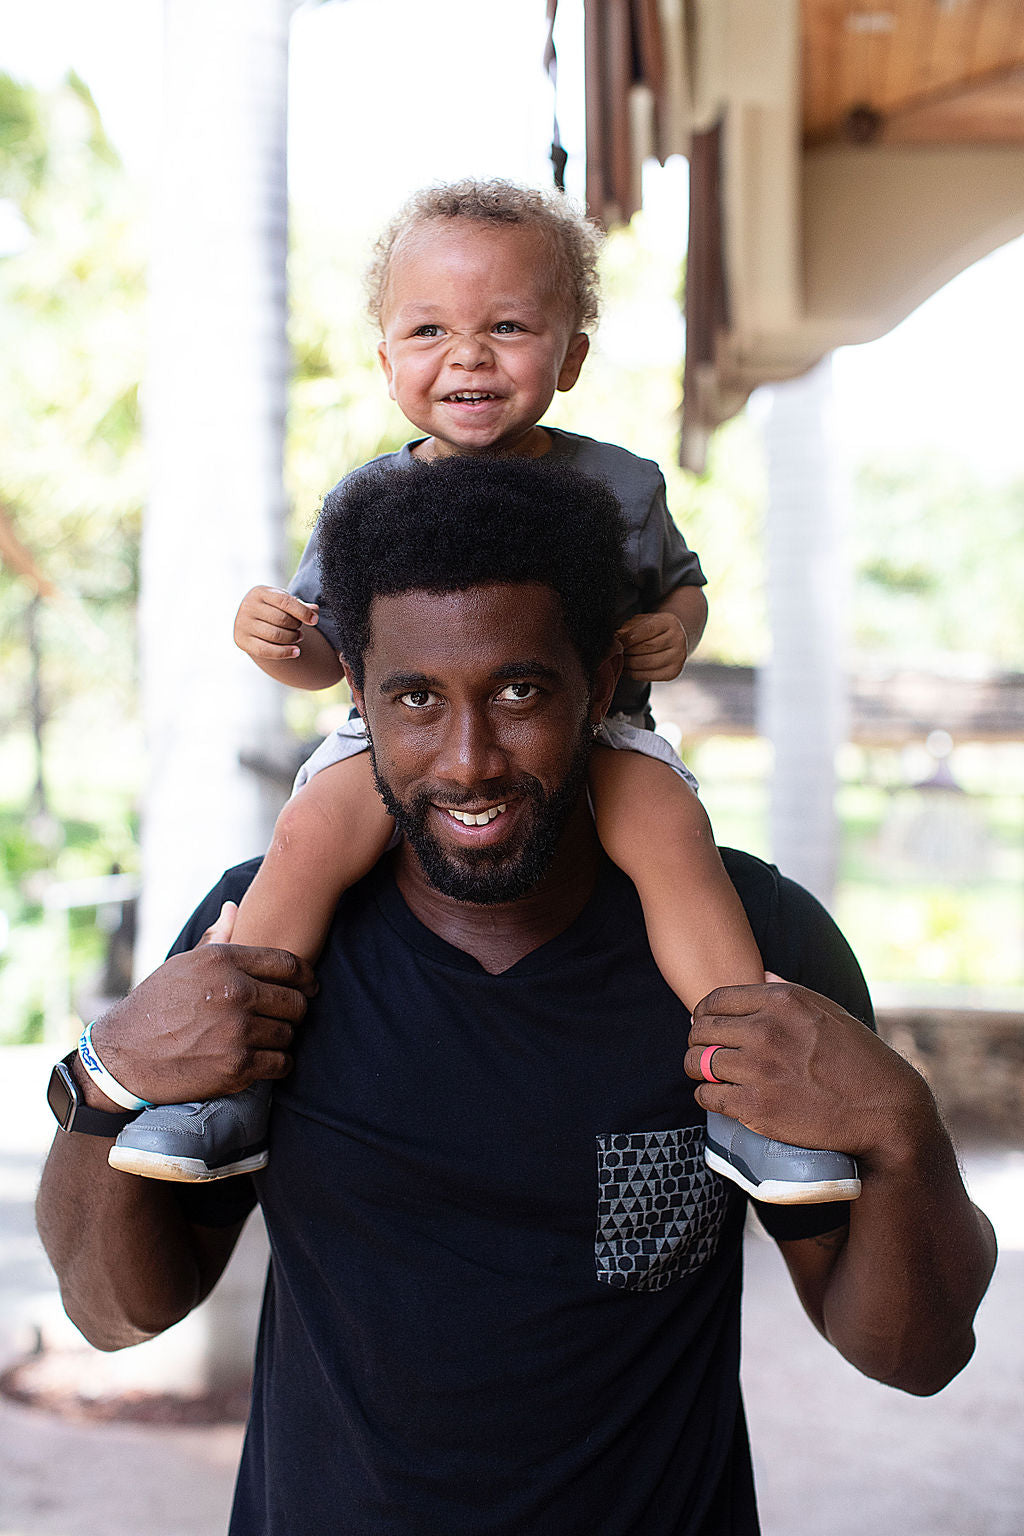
72 1113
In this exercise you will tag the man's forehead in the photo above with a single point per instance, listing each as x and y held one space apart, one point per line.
483 627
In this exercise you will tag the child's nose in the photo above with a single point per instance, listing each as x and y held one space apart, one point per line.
470 351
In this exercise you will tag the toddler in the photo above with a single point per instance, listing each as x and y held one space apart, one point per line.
483 292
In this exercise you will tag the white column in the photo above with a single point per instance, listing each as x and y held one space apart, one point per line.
801 700
214 409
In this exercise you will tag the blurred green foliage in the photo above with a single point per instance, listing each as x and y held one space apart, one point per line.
939 554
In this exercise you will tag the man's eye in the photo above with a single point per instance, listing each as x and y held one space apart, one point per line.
419 698
516 692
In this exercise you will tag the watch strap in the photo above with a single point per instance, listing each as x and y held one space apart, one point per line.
75 1116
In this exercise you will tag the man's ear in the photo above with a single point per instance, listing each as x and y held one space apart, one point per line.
575 355
385 362
357 693
605 681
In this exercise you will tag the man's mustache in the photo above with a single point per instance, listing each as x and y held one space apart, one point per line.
491 789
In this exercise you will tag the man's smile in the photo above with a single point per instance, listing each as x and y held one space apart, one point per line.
477 818
477 824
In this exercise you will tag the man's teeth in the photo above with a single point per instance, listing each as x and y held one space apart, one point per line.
469 819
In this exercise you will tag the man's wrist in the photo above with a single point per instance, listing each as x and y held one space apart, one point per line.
105 1080
90 1094
912 1132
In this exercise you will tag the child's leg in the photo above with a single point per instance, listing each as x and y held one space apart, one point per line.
329 835
654 827
656 830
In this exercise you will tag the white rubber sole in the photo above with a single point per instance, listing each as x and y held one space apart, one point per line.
180 1170
778 1192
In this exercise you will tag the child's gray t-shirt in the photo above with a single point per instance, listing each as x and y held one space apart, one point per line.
657 558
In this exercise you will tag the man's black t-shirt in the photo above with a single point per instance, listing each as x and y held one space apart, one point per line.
504 1289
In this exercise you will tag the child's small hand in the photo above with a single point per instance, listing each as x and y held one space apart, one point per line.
655 647
269 622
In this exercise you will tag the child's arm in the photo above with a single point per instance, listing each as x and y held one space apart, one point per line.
656 830
328 836
277 630
657 644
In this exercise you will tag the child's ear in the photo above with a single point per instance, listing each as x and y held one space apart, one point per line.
575 355
385 362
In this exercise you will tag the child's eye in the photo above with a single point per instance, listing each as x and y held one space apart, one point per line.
516 692
429 330
418 698
506 327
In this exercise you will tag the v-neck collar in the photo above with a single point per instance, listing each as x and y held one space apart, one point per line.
583 932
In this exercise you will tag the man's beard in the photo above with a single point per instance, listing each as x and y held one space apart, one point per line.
491 874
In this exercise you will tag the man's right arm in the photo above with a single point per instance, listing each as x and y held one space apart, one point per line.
205 1023
128 1261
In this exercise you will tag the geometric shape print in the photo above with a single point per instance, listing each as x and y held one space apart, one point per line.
660 1207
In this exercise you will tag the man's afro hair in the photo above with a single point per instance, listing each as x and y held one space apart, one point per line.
459 522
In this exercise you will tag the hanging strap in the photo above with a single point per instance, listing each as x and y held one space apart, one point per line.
558 155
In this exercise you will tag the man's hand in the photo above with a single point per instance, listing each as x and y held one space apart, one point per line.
797 1067
268 624
896 1291
207 1022
654 646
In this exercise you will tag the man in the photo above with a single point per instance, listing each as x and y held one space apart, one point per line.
504 1292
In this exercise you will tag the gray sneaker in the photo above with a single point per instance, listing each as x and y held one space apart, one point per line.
774 1171
195 1143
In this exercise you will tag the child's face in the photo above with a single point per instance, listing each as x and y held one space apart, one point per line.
475 342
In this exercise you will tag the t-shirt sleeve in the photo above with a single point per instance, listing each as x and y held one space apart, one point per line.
663 560
306 584
800 942
226 1201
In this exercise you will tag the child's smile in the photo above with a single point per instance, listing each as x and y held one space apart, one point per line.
475 340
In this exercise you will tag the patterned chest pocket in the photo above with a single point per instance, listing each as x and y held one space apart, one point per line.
660 1208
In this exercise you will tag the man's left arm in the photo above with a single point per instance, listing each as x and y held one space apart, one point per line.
897 1291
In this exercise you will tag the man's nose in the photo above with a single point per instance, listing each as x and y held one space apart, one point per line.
470 752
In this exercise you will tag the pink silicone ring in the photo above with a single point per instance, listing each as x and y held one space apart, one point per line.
705 1064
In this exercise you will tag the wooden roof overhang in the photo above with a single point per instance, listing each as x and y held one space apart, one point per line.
847 158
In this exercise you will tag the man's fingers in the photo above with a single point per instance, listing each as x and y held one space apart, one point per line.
267 1001
726 1064
272 966
219 931
733 1002
271 1064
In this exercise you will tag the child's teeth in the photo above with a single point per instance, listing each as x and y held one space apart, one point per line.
468 819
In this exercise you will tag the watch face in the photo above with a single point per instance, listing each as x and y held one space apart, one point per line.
61 1095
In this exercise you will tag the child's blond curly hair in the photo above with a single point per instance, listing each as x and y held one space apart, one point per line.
573 241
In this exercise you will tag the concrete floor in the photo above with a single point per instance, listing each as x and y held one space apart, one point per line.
834 1453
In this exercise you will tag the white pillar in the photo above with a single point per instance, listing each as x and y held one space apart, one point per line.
214 409
801 700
